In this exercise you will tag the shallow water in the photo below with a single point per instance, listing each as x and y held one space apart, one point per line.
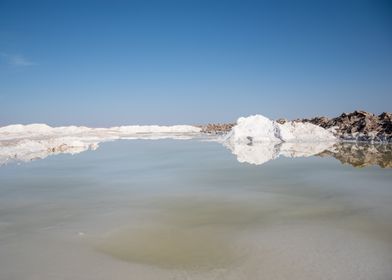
171 209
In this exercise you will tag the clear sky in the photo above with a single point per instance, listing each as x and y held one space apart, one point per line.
103 63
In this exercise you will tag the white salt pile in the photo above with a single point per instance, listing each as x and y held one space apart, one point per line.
259 129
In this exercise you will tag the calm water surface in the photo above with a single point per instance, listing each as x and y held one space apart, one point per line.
173 209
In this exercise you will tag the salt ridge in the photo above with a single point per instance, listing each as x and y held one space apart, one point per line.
37 141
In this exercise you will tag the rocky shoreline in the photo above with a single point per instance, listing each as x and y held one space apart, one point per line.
358 126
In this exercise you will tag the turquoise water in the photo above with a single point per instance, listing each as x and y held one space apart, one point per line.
171 209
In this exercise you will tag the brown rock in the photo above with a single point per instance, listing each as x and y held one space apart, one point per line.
358 125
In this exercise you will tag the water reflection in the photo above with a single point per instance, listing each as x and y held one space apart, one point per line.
32 148
355 154
361 155
261 153
188 210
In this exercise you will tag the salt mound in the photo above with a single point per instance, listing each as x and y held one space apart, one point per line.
259 129
303 132
254 129
20 128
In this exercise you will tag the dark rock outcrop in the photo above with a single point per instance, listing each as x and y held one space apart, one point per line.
220 128
357 126
281 121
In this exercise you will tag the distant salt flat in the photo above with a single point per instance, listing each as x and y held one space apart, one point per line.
37 141
43 130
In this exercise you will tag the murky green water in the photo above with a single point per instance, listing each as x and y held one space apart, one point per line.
188 210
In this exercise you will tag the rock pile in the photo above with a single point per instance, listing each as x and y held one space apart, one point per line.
357 126
220 128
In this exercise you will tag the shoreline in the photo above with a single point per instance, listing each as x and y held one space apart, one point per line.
358 126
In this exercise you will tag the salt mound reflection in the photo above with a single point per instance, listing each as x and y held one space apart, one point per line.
361 154
260 153
354 154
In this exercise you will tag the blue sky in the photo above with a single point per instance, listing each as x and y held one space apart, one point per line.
103 63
